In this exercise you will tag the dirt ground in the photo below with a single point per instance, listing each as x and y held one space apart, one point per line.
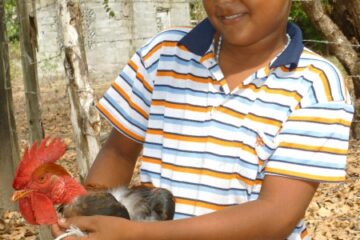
333 214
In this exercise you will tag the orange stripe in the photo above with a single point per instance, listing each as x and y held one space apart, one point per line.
230 112
267 70
226 176
180 106
128 99
118 124
324 80
318 72
223 82
298 69
206 139
313 148
321 120
197 108
264 88
146 184
264 120
164 44
304 175
304 234
198 204
140 76
179 76
207 56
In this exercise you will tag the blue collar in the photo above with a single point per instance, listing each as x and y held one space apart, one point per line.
199 40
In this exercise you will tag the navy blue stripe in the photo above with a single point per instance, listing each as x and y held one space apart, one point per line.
334 108
274 159
175 57
287 107
331 67
250 165
134 109
192 120
135 91
204 136
152 65
188 73
125 117
297 79
180 103
271 88
193 185
233 96
309 121
324 136
117 128
205 93
327 79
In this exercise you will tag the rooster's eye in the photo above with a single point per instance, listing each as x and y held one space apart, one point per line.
41 179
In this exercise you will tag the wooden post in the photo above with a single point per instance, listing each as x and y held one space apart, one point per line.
8 139
28 42
85 118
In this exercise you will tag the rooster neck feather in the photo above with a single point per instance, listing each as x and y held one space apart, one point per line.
52 168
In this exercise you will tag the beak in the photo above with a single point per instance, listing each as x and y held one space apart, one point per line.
20 194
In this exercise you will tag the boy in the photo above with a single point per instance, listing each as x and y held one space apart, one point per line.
235 117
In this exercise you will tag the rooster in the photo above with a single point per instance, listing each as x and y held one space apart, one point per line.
41 185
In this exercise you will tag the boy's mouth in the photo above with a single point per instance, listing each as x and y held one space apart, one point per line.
229 19
233 16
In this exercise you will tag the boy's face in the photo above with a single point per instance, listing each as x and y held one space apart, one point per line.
246 22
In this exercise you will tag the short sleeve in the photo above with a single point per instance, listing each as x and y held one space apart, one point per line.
126 104
313 143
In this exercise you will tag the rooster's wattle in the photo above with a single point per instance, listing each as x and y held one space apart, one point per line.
41 185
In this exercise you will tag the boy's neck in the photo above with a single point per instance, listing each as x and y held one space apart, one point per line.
239 62
259 53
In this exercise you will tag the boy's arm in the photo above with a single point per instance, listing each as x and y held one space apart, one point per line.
115 162
281 205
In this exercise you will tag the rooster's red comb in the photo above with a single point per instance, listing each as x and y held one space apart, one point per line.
48 151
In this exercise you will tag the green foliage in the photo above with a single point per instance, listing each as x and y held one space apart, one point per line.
108 8
197 12
298 16
12 24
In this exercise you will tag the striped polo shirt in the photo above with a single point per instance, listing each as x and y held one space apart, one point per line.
211 146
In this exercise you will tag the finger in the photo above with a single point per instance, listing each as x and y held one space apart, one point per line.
86 224
56 230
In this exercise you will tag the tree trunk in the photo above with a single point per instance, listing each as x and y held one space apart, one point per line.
8 139
85 118
353 7
342 49
28 42
346 14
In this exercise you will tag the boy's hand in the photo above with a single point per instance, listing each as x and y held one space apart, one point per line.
97 227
